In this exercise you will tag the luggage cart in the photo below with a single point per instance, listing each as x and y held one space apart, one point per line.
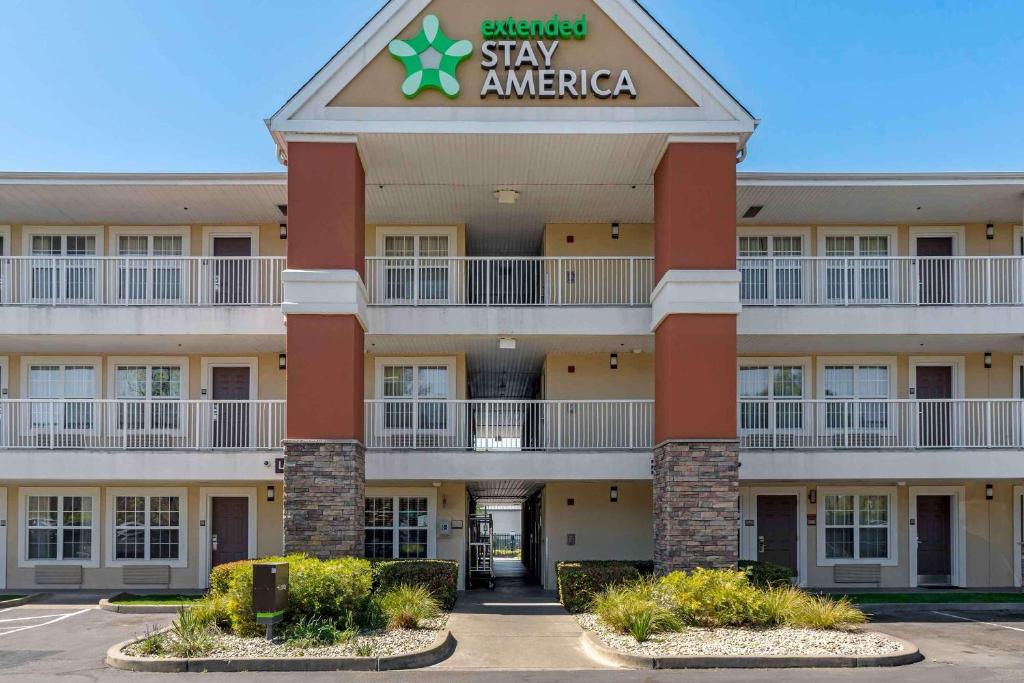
481 551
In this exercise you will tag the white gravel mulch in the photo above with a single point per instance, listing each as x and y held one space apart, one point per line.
743 641
382 643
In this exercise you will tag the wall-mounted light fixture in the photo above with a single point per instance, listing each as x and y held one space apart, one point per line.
988 359
613 494
282 231
613 361
812 496
282 361
988 491
990 231
270 494
615 231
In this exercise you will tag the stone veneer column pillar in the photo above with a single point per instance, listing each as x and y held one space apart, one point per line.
694 305
325 302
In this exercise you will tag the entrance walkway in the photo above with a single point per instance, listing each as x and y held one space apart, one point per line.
515 626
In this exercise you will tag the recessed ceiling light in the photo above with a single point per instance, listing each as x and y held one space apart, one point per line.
506 196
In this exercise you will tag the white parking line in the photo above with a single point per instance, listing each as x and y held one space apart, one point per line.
40 616
18 629
986 623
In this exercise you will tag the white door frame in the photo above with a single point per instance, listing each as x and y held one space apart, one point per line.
4 523
748 534
957 536
205 551
1018 536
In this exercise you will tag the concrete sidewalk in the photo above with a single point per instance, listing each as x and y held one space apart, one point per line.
515 626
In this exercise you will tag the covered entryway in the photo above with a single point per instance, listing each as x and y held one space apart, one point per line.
938 536
504 535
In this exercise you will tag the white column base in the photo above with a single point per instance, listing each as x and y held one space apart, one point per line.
712 292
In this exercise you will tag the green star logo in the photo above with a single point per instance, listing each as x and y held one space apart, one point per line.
430 59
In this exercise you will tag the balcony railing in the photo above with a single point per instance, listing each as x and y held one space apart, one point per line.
141 281
881 424
498 425
904 280
510 281
141 424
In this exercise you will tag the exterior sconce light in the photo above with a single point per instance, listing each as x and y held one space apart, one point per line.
988 360
988 491
282 361
283 231
613 494
270 494
615 231
812 496
990 231
613 361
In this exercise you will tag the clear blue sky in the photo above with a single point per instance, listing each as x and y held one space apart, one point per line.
184 85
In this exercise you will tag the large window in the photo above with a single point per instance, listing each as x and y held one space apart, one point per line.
148 271
397 527
153 392
771 397
857 526
770 268
55 272
430 384
62 381
59 527
416 267
857 269
147 527
856 386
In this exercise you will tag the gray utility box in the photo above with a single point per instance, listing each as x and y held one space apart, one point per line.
269 591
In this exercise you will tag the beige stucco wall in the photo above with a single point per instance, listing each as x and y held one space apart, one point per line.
604 530
594 379
269 536
595 239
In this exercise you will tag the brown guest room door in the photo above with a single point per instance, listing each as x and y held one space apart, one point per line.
777 530
230 390
936 272
232 276
229 538
935 382
934 549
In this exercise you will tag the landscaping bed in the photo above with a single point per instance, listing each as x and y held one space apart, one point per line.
154 599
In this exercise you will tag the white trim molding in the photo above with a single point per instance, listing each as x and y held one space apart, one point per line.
957 536
59 491
954 231
113 362
715 292
182 231
324 292
428 492
109 521
208 363
204 556
890 231
956 363
893 526
250 231
5 250
748 534
1018 536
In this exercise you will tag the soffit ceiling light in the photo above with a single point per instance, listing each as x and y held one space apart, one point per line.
506 196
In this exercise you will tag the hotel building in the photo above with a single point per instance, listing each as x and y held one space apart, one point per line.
512 260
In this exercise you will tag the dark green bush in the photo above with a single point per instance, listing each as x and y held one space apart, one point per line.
579 582
220 576
440 577
766 574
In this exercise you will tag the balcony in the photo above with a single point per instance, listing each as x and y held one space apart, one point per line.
836 424
141 281
510 281
882 281
141 424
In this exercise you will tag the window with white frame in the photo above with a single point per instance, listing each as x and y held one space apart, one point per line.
857 268
856 526
771 397
148 270
396 527
416 267
56 273
428 384
770 268
63 382
152 393
854 386
147 527
59 527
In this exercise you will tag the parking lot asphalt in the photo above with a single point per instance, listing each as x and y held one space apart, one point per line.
66 641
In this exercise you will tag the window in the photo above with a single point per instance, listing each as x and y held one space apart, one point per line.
771 397
857 268
416 267
856 526
62 381
856 385
410 527
147 270
59 527
430 384
147 527
56 273
153 391
770 268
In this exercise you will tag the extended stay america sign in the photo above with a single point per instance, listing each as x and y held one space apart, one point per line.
521 59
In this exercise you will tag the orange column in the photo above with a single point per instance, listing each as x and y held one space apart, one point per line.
695 354
326 190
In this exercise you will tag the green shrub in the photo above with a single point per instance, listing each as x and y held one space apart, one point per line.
766 574
440 577
152 645
633 608
313 631
823 612
220 576
579 582
213 609
190 636
408 606
713 597
781 604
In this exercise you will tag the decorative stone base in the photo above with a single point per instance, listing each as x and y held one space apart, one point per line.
696 495
324 497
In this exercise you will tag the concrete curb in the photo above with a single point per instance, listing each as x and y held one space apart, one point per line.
603 654
904 607
439 650
25 599
106 604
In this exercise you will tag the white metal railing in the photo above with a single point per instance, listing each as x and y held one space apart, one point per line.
502 425
881 424
141 281
145 424
902 280
510 281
